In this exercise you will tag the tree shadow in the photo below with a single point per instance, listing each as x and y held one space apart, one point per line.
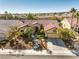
60 43
57 42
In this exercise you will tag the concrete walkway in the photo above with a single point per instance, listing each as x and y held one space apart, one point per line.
58 47
22 52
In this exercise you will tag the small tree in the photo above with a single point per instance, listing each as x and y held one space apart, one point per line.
59 19
54 18
66 35
41 32
8 15
31 17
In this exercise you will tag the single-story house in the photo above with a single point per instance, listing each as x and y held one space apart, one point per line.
5 25
49 25
74 22
65 23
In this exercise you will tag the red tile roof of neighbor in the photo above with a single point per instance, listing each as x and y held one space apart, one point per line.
48 24
6 24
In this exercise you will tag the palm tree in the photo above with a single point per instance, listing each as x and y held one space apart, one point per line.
77 14
73 11
6 13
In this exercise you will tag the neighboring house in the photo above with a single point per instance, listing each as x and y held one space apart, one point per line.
5 25
66 24
68 21
74 22
50 30
43 22
49 25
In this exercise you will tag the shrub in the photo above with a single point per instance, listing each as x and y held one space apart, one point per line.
41 32
67 35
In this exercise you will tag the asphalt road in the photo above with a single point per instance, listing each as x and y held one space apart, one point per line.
36 57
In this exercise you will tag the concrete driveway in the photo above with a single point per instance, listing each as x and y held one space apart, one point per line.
58 47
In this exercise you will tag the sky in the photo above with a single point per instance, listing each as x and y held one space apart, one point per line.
37 6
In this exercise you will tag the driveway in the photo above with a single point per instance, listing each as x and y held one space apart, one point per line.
58 47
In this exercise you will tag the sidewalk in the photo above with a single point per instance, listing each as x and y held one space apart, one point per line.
23 52
57 47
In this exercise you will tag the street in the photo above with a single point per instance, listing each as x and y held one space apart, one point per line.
37 57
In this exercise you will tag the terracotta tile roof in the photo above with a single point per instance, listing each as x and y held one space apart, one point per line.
43 22
49 26
5 24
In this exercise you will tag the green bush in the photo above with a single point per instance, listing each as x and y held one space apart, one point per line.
41 32
27 32
65 33
54 18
